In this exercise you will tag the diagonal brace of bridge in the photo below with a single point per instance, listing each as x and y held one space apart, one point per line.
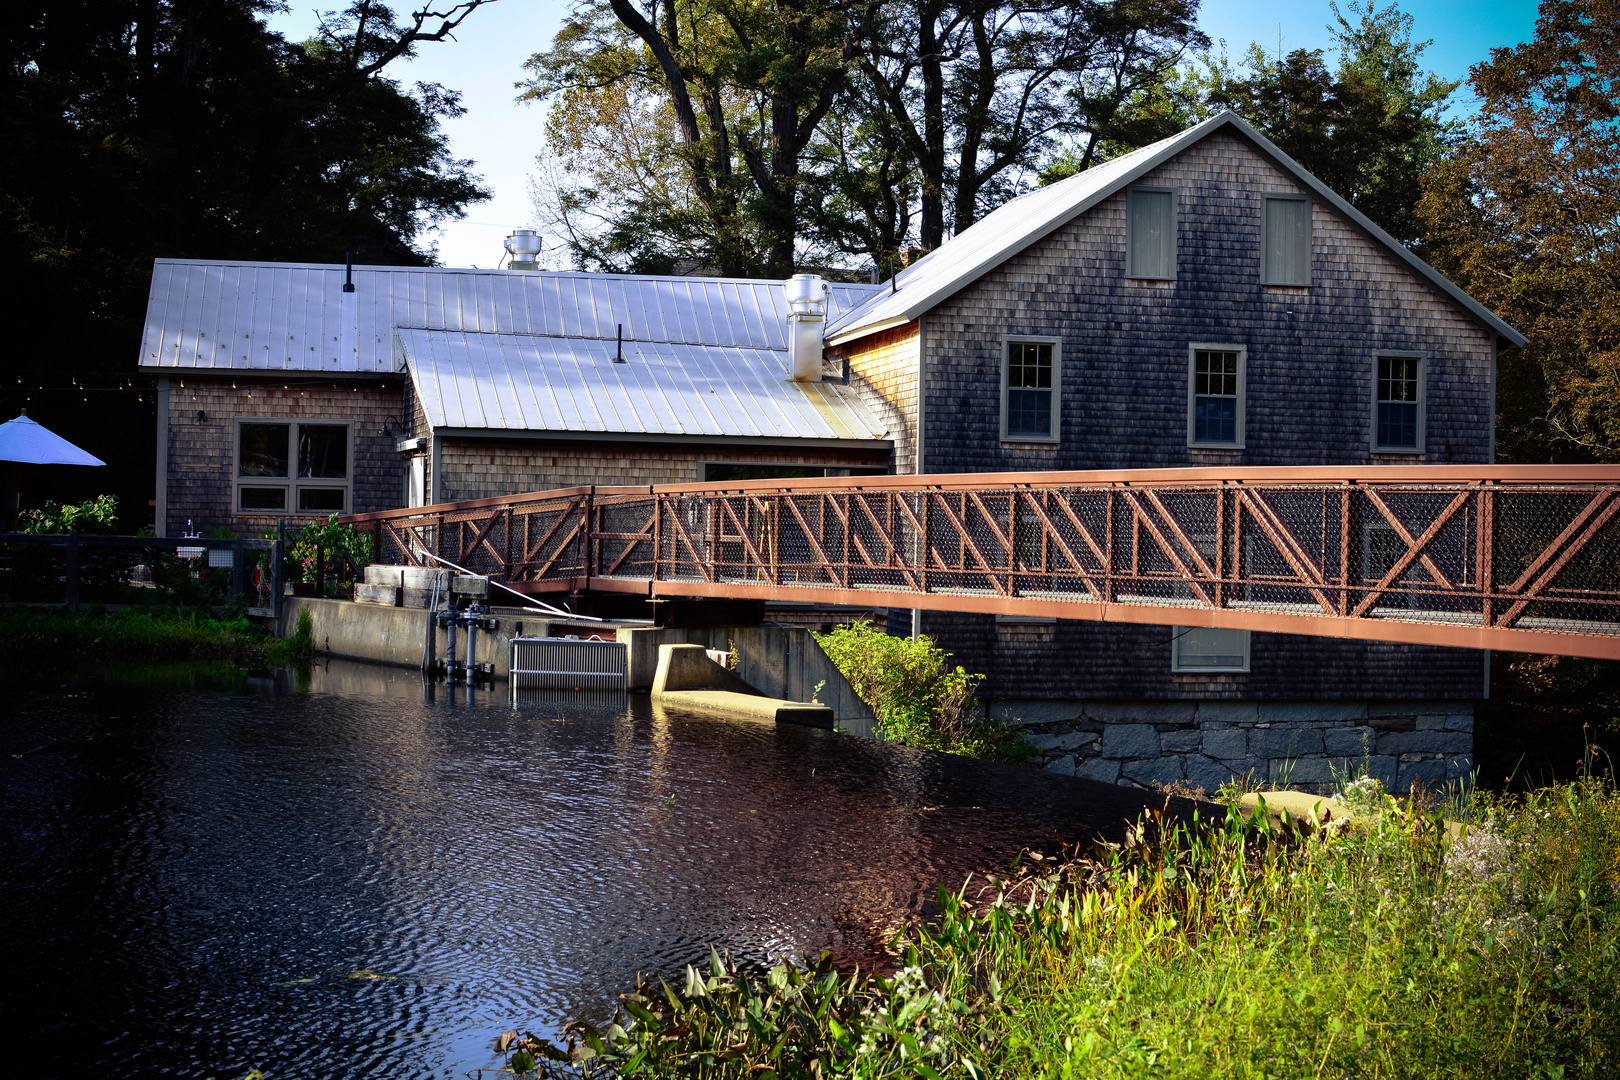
1522 558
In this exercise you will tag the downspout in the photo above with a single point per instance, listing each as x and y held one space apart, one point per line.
917 449
1496 344
160 511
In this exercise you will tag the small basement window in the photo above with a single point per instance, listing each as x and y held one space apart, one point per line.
1202 648
1215 395
293 467
1287 245
1398 403
1031 383
1152 229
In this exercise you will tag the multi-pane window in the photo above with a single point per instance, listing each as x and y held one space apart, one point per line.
1030 386
1152 232
1398 404
1202 648
1216 397
1287 242
293 467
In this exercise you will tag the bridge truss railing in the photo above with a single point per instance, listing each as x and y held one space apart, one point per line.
1524 558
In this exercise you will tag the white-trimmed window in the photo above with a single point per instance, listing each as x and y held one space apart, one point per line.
1286 245
303 467
1397 418
1031 385
1203 648
1151 231
1215 377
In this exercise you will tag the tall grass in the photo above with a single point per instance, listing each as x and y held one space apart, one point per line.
1227 947
162 634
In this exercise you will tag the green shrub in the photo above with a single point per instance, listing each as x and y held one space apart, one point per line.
99 515
158 634
331 541
1206 948
917 697
36 571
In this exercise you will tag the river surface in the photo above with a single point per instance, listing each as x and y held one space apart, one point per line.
338 873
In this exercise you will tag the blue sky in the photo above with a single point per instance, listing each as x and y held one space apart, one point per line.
503 136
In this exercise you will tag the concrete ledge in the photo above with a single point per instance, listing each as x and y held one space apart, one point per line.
738 706
688 679
688 667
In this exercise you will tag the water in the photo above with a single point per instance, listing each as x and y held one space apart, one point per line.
337 875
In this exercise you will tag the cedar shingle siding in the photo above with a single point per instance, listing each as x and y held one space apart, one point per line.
1124 402
481 469
200 454
1124 405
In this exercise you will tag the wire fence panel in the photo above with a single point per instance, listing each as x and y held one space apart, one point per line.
1473 556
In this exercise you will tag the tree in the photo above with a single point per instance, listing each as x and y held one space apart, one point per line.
138 129
1524 217
747 85
983 89
1370 129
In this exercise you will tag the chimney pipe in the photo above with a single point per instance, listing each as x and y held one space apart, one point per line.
807 317
524 245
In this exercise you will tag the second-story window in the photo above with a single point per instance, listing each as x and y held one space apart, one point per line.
1152 234
1398 403
1031 381
1287 244
1215 396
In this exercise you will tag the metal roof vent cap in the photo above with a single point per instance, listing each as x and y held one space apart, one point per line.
523 245
806 294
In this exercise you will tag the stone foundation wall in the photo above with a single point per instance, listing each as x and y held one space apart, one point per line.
1203 744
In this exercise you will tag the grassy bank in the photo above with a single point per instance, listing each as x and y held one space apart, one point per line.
1227 948
144 634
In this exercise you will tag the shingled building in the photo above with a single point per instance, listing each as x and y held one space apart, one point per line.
1201 301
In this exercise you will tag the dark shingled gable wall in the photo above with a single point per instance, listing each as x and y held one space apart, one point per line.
1124 405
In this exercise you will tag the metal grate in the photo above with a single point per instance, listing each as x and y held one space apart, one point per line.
565 664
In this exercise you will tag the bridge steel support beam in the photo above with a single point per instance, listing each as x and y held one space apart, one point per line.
1522 558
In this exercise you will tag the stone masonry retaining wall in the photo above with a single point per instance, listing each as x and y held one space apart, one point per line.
1205 743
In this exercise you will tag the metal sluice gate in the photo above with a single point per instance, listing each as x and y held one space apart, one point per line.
569 664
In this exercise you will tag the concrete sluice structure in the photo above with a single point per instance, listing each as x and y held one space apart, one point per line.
779 663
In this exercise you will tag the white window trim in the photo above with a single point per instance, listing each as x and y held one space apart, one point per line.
1192 393
1265 245
1175 232
1422 404
291 482
1175 653
1057 388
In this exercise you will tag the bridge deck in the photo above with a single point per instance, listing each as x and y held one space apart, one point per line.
1524 558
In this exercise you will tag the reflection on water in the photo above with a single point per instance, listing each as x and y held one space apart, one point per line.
330 872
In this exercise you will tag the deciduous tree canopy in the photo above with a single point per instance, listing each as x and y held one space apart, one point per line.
1525 217
143 128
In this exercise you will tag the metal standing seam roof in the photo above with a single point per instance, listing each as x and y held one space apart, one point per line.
534 383
283 317
1011 228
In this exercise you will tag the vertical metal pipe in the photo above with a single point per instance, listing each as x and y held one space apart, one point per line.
1486 552
450 644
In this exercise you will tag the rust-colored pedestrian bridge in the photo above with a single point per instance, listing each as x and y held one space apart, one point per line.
1523 558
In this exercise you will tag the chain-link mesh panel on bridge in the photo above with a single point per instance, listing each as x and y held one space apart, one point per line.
1522 558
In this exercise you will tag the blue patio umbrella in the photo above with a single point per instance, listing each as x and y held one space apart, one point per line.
23 442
